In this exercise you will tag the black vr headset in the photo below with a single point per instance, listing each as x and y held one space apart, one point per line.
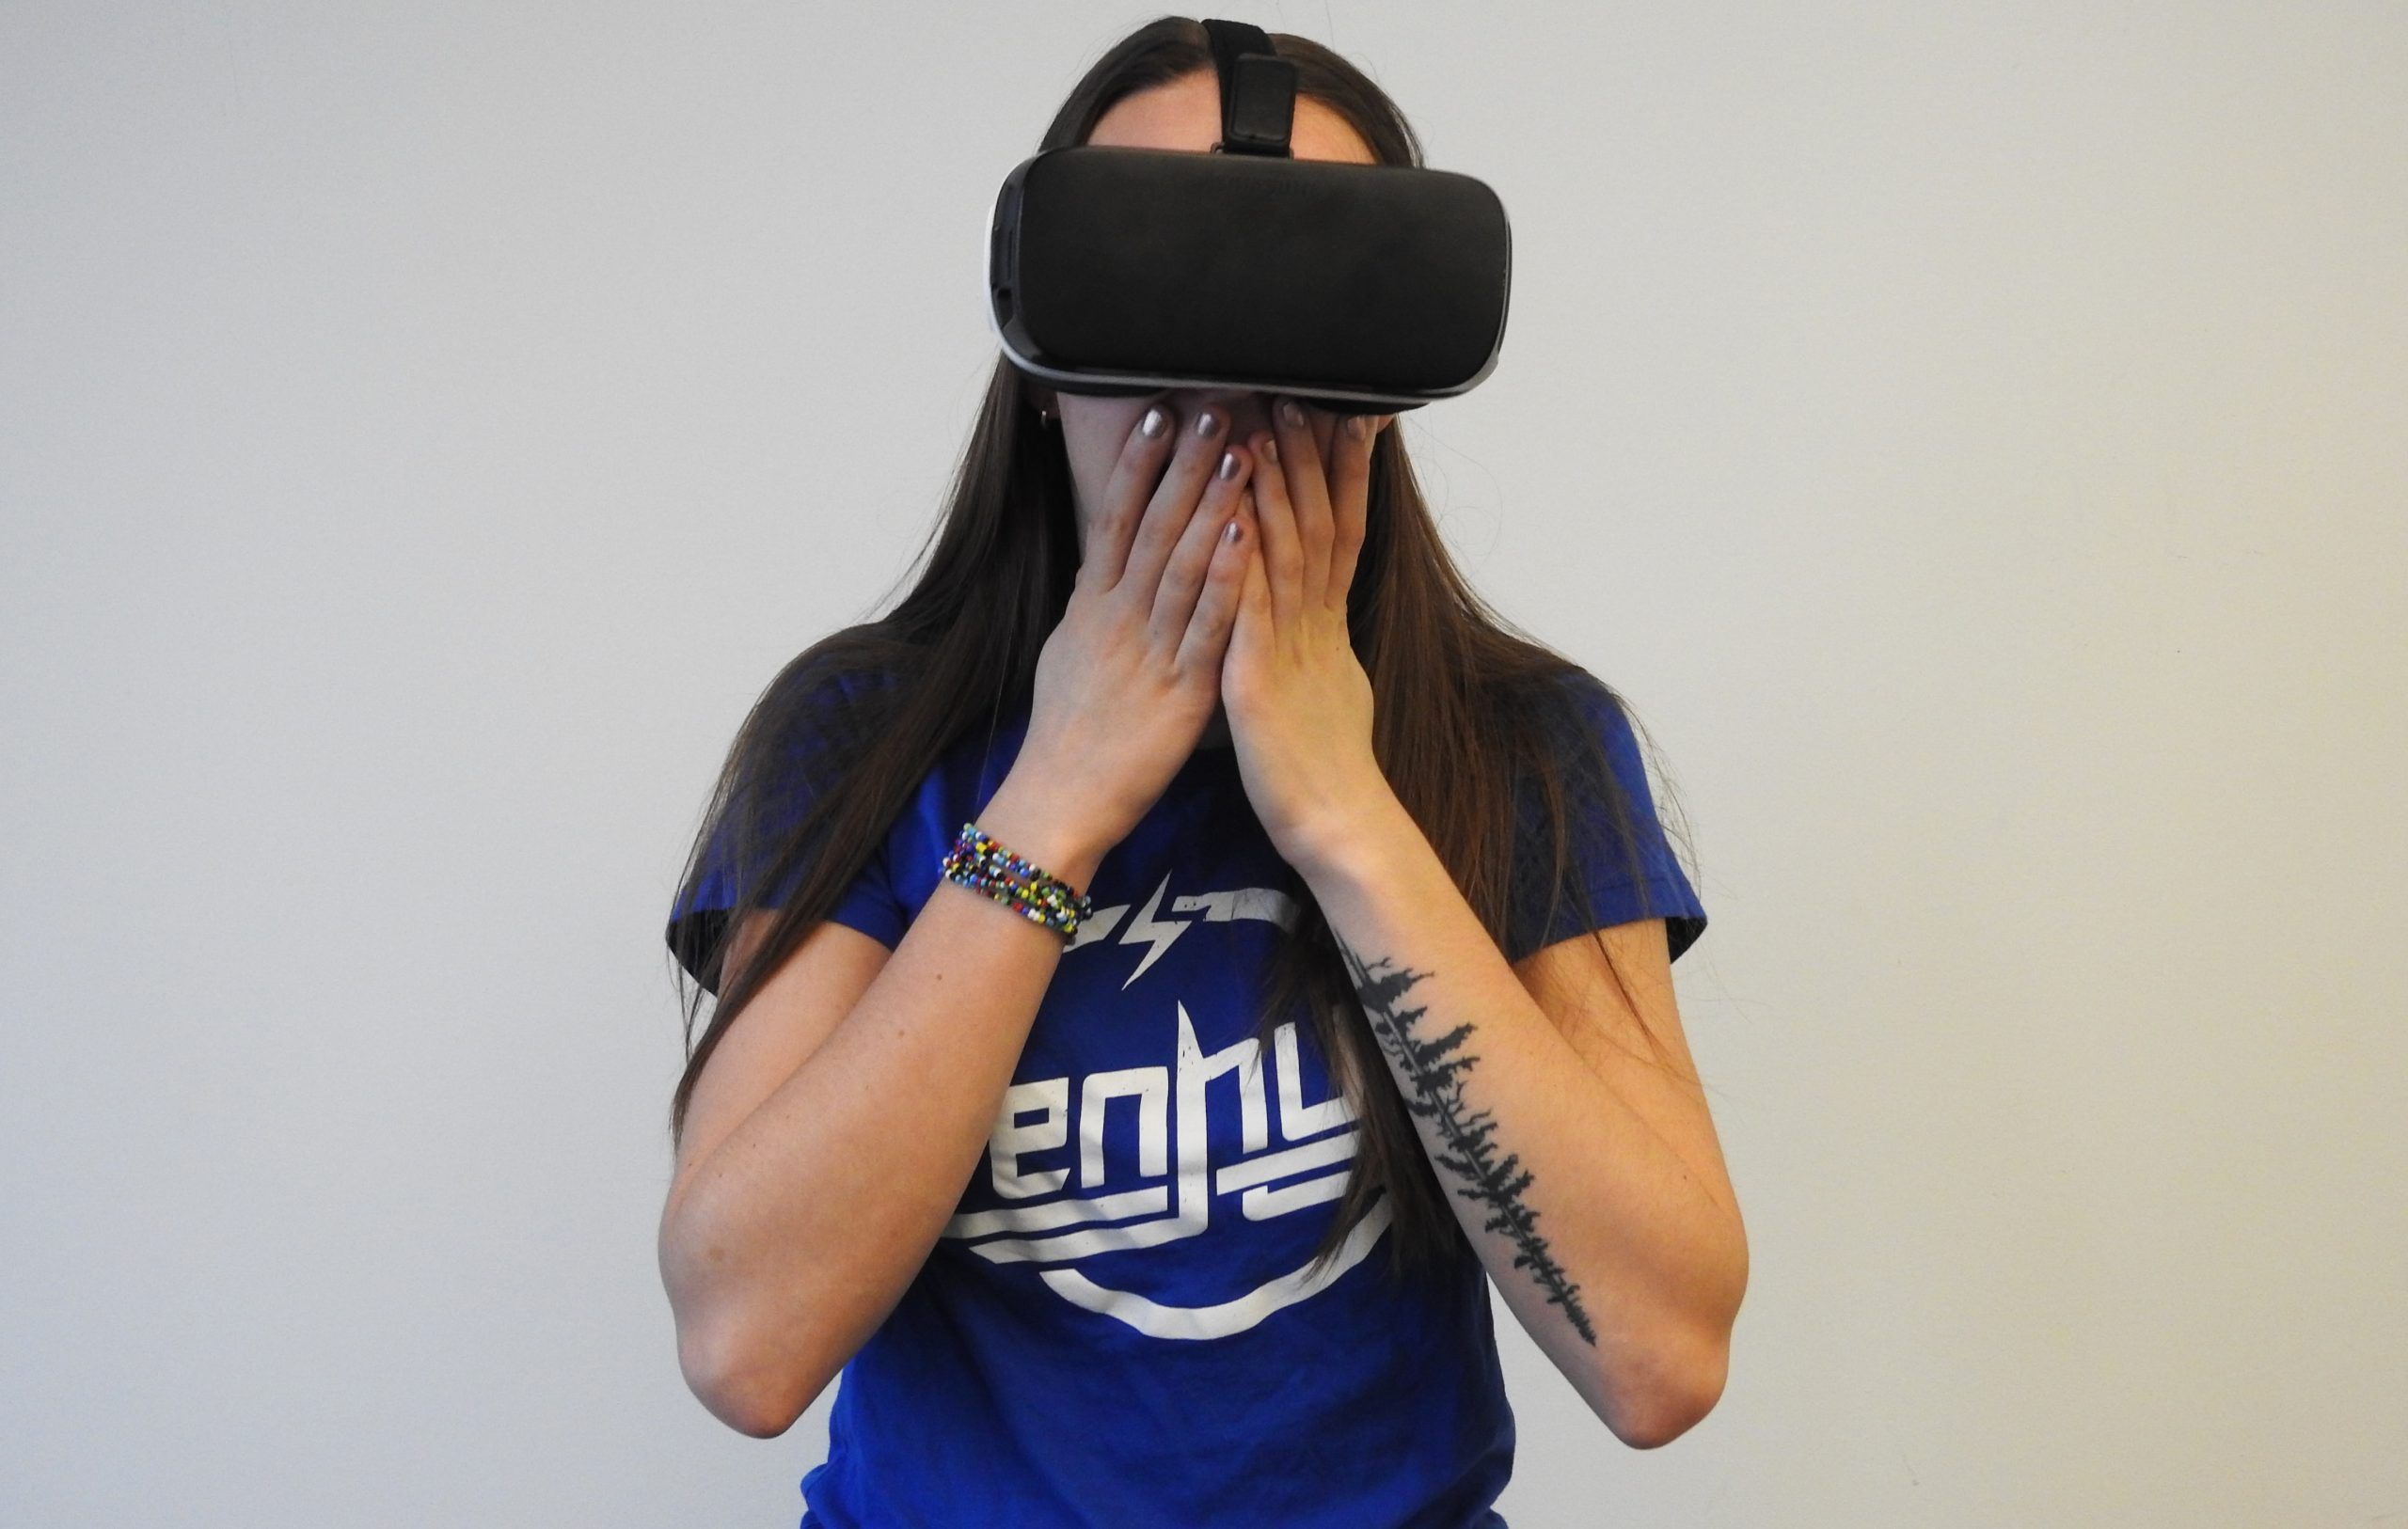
1360 289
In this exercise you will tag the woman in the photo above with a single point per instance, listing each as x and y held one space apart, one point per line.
1188 891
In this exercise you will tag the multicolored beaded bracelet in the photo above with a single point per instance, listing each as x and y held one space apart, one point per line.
981 864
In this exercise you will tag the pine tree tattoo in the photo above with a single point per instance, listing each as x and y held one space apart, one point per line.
1435 1092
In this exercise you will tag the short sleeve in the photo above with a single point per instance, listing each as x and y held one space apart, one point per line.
1599 852
776 803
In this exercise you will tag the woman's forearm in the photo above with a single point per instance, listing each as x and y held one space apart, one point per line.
786 1247
1623 1256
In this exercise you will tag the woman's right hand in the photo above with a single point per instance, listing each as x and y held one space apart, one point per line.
1127 683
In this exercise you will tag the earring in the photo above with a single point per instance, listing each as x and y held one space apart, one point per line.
1045 416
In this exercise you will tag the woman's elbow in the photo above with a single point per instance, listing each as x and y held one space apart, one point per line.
1690 1370
728 1376
1672 1411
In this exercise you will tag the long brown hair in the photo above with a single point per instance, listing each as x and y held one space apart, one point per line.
1468 711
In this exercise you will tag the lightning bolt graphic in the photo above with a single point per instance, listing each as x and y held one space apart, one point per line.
1144 929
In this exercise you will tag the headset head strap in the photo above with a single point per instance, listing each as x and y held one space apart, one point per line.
1258 91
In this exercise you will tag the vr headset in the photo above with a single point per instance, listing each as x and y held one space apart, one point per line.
1360 289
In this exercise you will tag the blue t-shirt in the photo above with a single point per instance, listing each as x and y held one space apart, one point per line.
1118 1326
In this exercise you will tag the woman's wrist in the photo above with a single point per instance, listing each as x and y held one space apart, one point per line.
1035 822
1357 827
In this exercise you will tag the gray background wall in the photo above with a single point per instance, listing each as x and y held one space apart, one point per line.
1974 438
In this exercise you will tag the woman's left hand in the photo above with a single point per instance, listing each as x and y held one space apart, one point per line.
1298 702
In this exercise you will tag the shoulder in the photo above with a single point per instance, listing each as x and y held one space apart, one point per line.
1586 706
833 690
1562 738
1567 722
1586 821
843 670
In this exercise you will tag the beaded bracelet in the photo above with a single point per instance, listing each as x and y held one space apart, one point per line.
981 864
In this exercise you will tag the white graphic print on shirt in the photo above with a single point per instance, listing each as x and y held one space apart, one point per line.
1310 1168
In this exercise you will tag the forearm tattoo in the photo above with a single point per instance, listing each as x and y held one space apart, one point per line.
1434 1091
